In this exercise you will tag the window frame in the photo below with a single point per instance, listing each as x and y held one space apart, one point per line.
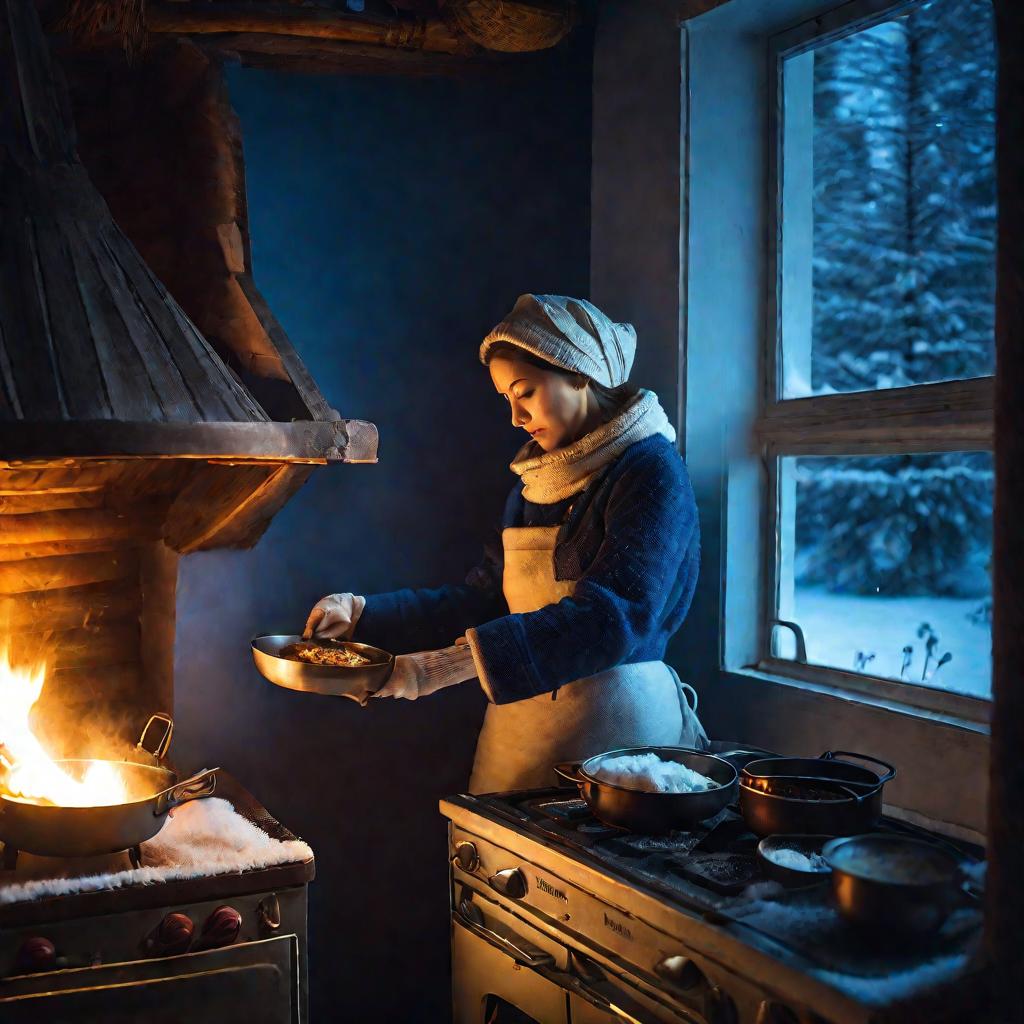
945 416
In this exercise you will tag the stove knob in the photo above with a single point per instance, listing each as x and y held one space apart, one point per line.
510 882
35 954
221 928
775 1013
171 936
679 971
269 914
466 857
719 1008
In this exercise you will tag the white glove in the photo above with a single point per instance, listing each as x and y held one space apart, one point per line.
417 675
334 617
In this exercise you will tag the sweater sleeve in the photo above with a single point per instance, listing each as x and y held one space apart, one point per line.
623 598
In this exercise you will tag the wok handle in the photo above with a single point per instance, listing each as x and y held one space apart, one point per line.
890 772
199 785
570 771
162 744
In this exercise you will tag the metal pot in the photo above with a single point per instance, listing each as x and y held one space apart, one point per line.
358 684
653 813
768 850
894 882
812 795
51 830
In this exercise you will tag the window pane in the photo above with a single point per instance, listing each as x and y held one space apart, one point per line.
885 565
888 204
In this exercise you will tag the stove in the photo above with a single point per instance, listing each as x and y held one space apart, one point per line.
560 919
196 932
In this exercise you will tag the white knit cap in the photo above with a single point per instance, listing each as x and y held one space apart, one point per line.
571 333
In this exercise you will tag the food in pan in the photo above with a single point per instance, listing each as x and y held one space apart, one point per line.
797 860
648 773
332 657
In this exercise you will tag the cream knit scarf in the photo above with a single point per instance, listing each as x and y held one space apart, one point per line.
549 477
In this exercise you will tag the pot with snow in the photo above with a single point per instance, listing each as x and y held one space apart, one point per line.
653 789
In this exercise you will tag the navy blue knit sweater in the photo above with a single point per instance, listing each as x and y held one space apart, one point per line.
630 541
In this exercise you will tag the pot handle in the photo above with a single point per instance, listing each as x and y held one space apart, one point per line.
890 772
162 744
193 788
570 771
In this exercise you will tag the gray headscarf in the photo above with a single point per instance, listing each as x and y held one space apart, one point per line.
571 333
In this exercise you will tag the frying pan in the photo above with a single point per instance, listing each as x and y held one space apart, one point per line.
358 684
51 830
653 813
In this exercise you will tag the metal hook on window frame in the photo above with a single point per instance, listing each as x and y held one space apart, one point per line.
798 634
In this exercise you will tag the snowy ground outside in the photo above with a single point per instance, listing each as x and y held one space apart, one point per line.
836 626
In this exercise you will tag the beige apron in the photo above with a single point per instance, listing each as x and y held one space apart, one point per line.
626 706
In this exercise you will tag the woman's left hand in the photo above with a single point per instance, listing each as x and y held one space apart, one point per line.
426 672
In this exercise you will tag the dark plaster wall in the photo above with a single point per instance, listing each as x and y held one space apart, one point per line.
393 222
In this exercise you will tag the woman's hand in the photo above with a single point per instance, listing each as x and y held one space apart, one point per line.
418 675
334 617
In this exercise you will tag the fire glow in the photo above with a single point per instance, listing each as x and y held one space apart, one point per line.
32 774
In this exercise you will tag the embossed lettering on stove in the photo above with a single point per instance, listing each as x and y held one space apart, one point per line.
618 927
547 887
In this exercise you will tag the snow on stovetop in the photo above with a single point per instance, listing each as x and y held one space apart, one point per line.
203 838
802 927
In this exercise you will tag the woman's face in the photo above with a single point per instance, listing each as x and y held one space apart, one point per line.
544 403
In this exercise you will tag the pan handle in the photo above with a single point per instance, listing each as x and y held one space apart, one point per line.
162 744
570 771
890 772
199 785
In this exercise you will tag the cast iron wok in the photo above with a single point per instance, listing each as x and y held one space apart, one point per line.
653 813
358 684
51 830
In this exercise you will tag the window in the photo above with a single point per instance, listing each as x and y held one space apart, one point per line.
877 421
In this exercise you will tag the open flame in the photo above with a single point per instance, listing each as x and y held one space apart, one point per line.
34 775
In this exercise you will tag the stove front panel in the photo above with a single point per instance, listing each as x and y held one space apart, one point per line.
143 948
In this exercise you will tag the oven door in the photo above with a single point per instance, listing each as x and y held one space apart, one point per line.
504 971
255 982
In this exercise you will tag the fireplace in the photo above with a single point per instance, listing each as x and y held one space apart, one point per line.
126 440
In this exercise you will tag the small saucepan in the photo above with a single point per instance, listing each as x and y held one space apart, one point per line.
653 813
895 882
812 795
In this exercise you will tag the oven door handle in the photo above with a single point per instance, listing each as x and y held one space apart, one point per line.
528 957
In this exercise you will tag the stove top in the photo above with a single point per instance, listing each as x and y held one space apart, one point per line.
712 871
190 868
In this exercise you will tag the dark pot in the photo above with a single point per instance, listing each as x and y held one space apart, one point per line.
812 795
894 882
653 813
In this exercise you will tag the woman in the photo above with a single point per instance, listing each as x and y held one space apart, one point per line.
566 626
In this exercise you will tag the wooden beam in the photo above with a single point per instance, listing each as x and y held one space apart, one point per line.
72 608
326 56
77 648
1004 904
931 417
52 548
48 501
431 35
158 579
299 441
73 571
221 507
90 524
